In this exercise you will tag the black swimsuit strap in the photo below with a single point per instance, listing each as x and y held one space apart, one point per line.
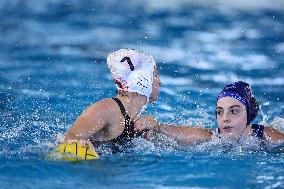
123 111
125 138
128 133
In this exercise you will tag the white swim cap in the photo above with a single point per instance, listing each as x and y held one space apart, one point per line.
132 71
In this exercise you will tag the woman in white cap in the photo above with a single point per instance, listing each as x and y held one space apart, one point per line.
110 121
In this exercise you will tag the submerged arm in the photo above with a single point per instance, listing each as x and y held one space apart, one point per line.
273 135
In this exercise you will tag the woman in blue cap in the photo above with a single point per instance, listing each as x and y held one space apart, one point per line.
235 110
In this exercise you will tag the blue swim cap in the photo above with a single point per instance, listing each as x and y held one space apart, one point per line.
242 92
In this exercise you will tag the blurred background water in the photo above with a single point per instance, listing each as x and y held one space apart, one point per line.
53 64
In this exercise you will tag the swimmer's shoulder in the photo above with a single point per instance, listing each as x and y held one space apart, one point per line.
103 108
102 104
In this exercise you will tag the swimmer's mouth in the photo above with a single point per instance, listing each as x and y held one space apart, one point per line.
227 128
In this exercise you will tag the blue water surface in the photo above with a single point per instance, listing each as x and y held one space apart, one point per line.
53 65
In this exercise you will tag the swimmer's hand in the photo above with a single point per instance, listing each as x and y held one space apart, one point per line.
83 143
145 123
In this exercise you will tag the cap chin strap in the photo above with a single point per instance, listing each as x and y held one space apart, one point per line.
142 109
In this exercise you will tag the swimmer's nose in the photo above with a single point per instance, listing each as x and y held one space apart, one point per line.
226 117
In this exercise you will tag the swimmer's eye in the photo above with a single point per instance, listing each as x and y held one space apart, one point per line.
235 111
218 112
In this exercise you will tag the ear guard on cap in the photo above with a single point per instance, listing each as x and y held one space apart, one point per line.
140 81
253 109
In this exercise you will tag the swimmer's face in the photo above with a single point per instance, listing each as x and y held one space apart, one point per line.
231 117
155 86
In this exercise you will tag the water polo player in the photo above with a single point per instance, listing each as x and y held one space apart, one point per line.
110 121
235 110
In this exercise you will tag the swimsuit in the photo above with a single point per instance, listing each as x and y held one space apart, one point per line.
258 131
74 151
125 138
128 133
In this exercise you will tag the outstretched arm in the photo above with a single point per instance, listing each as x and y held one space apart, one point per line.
273 135
182 134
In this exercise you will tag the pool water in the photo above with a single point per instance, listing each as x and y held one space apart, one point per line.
53 65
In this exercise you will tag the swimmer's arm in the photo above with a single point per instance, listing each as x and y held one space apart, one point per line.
182 134
87 124
185 134
273 135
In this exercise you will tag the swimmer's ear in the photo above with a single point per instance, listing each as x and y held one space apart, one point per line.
254 108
